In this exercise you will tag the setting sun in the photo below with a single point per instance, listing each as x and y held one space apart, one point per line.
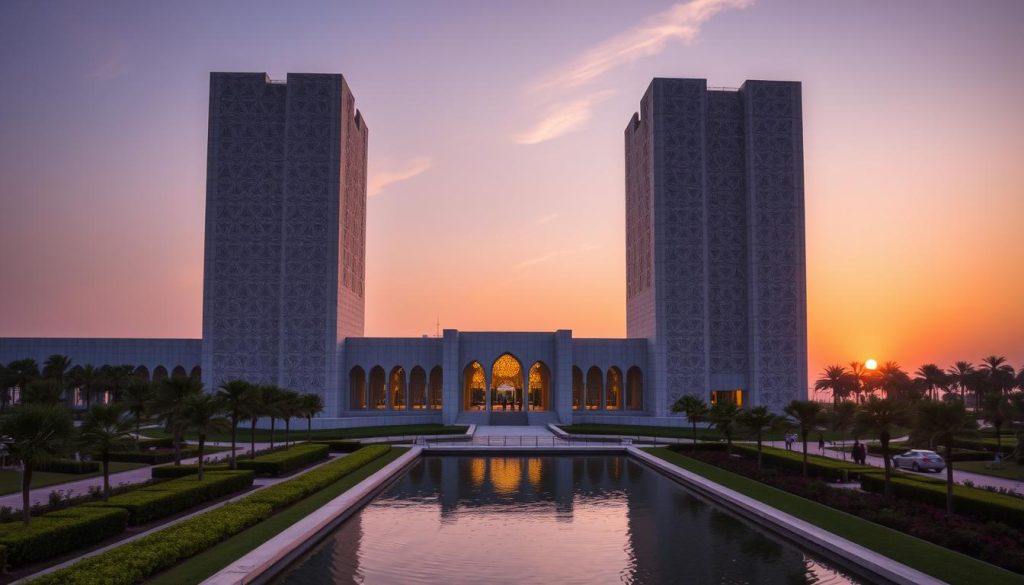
871 364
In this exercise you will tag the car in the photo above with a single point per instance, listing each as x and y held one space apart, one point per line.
919 460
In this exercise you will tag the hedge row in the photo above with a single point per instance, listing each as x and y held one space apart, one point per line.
1008 444
161 443
68 466
281 462
152 457
817 466
979 503
59 532
163 499
138 560
174 471
340 446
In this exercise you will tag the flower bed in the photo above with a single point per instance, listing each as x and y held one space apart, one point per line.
992 542
981 504
281 462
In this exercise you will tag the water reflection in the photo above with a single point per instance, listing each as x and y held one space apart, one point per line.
549 519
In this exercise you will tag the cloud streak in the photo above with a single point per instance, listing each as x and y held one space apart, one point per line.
679 24
379 181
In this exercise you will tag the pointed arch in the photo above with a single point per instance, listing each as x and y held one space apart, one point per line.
540 386
357 388
179 372
474 385
635 389
577 388
506 383
418 388
594 389
436 388
378 389
196 373
397 389
140 372
159 373
613 389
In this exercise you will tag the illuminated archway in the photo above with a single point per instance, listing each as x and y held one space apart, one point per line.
540 387
418 389
378 389
506 384
595 388
396 386
577 388
357 388
635 389
436 388
613 389
474 385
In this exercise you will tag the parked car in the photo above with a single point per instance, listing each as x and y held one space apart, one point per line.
919 460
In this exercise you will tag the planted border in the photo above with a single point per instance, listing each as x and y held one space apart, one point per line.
975 502
170 497
59 532
281 462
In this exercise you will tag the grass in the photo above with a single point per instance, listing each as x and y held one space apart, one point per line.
926 557
703 434
205 564
299 434
1005 470
10 479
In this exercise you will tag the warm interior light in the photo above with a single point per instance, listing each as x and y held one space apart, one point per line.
871 364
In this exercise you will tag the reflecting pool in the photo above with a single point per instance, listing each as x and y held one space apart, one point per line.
605 519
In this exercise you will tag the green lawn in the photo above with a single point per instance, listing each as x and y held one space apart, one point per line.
298 433
10 479
942 563
201 566
686 432
1007 469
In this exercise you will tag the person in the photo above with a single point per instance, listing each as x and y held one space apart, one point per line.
861 453
855 452
821 443
788 438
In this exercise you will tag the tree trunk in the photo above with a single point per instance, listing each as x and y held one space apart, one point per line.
999 443
106 474
26 487
309 428
252 439
949 475
803 435
234 436
694 445
287 430
138 431
178 438
272 421
884 440
202 444
758 452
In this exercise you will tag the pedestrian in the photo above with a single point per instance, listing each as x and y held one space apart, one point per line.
821 443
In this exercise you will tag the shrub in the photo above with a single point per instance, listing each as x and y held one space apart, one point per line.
985 444
174 471
69 466
281 462
981 504
160 443
163 499
152 457
138 560
817 466
340 446
59 532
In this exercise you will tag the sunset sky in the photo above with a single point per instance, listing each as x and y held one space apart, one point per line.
496 158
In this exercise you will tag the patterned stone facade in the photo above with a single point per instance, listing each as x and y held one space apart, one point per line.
720 176
285 230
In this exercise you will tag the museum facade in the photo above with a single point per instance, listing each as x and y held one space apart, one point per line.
715 275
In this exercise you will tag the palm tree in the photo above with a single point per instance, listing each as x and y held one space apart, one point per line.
56 368
757 421
104 430
87 379
840 419
695 409
961 375
21 373
723 416
42 392
879 417
117 378
998 375
933 379
201 413
171 394
272 404
38 432
942 421
836 380
234 394
998 411
253 410
895 382
290 406
806 416
138 401
312 405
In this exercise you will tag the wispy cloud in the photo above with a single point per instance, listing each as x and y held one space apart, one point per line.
380 180
679 24
546 218
541 259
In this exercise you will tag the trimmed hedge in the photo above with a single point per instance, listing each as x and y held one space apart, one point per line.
163 499
817 466
59 532
175 471
979 503
68 466
989 444
160 443
340 446
139 560
281 462
152 457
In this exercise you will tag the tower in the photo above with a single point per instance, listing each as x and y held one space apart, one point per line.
715 241
285 230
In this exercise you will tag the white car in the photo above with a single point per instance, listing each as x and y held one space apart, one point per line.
919 460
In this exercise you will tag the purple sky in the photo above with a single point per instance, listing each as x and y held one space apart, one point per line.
496 158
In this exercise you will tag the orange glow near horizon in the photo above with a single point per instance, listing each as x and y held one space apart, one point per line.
871 364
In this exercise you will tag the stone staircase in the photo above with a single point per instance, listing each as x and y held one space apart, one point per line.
510 419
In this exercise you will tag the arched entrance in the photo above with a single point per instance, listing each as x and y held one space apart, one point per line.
397 388
595 388
436 388
613 389
378 389
418 388
506 384
474 385
540 387
577 388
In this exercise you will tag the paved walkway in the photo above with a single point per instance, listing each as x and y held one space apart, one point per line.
41 495
958 476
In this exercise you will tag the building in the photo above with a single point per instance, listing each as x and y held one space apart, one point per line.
715 270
